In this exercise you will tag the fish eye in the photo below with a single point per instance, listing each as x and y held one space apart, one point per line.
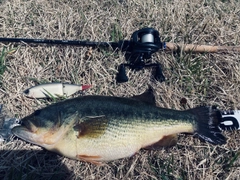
26 91
22 123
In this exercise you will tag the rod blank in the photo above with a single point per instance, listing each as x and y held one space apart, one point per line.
60 42
169 46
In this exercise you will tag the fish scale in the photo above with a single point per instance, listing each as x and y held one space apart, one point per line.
125 142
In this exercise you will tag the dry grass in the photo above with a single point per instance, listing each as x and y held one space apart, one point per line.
212 79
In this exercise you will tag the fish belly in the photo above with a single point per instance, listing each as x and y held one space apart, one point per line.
124 142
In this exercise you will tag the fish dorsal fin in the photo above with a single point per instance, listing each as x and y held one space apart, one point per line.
91 126
166 141
148 96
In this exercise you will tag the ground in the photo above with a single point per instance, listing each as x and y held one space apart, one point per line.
202 79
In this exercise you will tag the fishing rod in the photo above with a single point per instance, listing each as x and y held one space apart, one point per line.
138 50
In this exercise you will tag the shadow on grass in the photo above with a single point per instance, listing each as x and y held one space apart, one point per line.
32 164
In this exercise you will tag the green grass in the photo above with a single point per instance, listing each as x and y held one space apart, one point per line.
3 67
116 33
2 61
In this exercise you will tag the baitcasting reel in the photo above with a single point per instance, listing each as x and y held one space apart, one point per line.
142 45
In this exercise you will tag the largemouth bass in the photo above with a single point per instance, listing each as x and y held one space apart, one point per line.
105 128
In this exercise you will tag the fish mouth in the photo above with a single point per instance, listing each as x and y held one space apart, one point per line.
25 134
31 132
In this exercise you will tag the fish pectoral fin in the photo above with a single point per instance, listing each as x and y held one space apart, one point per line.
92 126
91 159
166 141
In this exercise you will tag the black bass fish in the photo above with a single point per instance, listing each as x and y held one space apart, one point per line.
105 128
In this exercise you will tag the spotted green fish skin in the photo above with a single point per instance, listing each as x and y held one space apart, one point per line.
104 128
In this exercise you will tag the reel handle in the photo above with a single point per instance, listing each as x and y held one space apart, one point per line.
142 45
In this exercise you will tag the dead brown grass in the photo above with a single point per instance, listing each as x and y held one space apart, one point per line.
212 79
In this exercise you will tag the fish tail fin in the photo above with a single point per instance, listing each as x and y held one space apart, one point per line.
207 122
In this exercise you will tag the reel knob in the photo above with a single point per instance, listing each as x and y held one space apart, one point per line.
121 75
158 74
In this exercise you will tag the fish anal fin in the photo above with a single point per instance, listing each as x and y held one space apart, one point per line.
90 159
92 127
166 141
148 96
